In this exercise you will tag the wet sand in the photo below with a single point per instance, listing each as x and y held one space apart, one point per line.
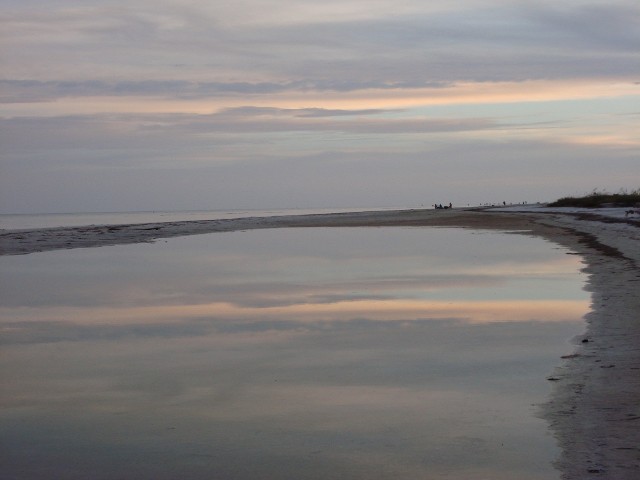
594 411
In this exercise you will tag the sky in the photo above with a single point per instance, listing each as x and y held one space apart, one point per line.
142 105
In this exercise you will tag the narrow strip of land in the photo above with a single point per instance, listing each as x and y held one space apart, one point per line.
20 242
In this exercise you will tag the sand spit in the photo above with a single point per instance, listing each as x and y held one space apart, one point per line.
594 410
20 242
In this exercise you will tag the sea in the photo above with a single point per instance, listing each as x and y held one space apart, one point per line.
52 220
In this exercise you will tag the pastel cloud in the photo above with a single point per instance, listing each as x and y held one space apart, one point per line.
208 82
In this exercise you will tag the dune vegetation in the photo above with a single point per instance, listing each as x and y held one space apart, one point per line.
598 199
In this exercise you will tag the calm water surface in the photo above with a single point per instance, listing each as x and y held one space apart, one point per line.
50 220
371 353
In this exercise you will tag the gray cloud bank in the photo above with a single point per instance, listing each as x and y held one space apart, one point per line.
493 41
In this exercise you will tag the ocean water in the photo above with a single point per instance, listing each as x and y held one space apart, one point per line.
350 353
52 220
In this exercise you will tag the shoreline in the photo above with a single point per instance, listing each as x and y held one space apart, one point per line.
594 408
28 241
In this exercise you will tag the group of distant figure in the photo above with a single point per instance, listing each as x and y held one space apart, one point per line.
439 206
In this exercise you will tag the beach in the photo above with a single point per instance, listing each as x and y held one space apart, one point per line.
593 410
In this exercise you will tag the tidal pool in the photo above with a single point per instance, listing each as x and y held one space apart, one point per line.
346 353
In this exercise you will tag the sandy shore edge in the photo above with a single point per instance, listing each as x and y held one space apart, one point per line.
20 242
594 410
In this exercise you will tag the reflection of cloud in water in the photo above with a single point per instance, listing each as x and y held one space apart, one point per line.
246 293
350 356
58 324
414 393
270 268
372 358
